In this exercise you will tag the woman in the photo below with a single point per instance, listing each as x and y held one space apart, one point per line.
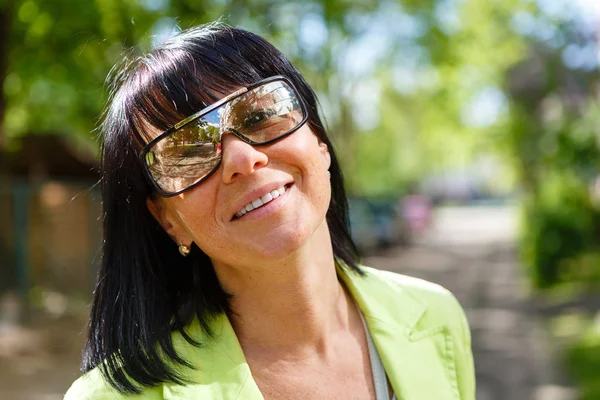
228 271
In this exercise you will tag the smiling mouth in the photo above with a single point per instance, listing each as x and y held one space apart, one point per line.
261 201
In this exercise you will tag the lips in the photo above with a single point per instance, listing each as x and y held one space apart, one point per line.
259 198
261 201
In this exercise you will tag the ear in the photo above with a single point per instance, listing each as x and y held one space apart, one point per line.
162 215
325 154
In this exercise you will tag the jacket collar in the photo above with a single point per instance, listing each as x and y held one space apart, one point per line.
220 368
383 301
416 351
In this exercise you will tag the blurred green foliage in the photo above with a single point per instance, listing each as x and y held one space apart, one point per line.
393 77
409 88
561 238
555 136
583 361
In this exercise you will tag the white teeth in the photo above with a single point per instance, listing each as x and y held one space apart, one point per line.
257 203
261 201
266 198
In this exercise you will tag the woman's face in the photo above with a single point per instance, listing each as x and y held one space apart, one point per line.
210 214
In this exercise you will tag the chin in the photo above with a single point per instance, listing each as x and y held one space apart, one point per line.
280 246
277 243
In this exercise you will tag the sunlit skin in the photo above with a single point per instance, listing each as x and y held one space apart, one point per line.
205 214
301 334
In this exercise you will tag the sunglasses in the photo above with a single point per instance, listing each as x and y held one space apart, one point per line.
189 152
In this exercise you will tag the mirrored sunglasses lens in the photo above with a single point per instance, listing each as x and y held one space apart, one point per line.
187 155
264 113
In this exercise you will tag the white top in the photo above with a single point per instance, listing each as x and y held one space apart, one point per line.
379 376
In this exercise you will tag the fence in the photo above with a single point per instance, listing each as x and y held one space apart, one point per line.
50 235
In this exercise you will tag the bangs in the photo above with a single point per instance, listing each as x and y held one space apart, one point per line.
181 77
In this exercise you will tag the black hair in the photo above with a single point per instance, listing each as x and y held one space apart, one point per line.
146 290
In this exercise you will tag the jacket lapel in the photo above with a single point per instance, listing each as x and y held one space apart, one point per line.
221 371
418 360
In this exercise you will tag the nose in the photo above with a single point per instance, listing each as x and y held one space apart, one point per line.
239 158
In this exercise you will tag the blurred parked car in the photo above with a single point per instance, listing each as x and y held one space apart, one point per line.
377 222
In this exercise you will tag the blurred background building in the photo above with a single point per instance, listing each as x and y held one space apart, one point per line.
468 131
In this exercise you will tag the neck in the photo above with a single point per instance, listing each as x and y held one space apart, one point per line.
293 305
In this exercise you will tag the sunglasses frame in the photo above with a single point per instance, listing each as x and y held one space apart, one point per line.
206 110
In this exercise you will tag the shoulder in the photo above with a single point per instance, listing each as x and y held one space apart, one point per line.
433 295
400 281
417 301
425 309
93 386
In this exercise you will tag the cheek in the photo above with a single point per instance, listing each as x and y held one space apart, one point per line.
304 152
312 177
196 210
301 149
324 193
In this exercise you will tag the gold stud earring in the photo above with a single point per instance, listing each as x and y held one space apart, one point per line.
184 250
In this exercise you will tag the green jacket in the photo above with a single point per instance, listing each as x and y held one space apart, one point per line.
419 329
